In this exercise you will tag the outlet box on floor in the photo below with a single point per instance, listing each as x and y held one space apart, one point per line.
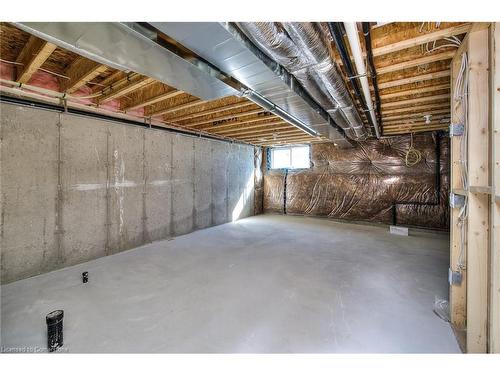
400 231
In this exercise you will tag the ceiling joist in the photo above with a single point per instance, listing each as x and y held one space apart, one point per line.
422 39
32 57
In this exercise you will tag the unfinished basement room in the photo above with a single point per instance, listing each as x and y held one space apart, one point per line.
250 187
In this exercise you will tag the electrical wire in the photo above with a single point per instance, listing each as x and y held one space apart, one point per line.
413 156
460 99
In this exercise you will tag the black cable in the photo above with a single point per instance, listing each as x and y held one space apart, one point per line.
369 53
337 35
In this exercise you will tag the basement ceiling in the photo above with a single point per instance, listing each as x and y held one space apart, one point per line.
412 72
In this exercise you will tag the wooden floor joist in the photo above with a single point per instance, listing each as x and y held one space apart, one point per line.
226 117
126 85
419 90
419 78
207 112
417 108
421 99
153 100
180 107
32 57
442 111
80 72
422 39
416 62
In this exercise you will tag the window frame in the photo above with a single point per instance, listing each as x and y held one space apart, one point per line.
290 147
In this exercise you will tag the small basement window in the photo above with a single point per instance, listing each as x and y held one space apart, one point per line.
294 157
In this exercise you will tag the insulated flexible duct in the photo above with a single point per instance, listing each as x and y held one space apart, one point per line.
301 48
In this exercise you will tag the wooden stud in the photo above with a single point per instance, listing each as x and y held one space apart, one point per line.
32 56
478 215
80 72
494 328
419 78
422 39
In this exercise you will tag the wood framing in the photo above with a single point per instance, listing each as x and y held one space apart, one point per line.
126 85
153 100
416 62
79 73
32 57
421 39
494 310
412 79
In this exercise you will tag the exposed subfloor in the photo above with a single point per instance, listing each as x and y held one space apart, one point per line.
263 284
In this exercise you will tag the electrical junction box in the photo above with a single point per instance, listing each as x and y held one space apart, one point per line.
456 130
457 200
400 231
454 277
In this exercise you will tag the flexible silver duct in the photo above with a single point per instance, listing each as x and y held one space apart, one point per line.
301 48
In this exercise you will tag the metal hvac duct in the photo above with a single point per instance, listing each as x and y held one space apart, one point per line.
301 47
120 46
227 48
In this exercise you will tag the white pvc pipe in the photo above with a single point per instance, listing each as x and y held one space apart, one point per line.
353 36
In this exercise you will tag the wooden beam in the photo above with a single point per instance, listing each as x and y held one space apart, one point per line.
269 132
417 108
478 204
241 123
419 78
416 115
421 99
211 111
418 124
126 85
109 81
418 90
80 72
250 130
435 119
226 129
421 130
226 117
288 137
254 131
422 39
32 56
180 107
153 100
494 331
416 62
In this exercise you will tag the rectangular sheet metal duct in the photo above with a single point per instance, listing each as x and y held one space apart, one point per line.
222 46
119 46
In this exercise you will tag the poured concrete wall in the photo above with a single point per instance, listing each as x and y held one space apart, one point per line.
76 188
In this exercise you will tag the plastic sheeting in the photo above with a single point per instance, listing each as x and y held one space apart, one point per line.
370 182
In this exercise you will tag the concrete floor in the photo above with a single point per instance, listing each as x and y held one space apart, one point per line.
263 284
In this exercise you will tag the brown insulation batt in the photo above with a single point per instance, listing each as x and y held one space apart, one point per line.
369 182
